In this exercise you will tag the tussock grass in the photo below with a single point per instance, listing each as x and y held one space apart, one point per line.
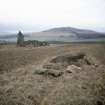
19 84
99 52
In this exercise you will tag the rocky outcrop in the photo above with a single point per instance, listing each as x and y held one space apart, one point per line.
73 69
53 73
35 43
67 63
69 59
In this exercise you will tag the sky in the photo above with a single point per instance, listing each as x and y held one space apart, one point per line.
37 15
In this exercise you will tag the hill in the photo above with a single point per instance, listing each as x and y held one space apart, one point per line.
62 34
80 33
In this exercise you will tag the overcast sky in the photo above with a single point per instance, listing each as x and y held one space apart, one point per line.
36 15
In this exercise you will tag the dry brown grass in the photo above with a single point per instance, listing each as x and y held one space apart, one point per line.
19 85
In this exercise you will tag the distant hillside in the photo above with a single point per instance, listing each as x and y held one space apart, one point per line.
9 36
62 34
80 33
68 29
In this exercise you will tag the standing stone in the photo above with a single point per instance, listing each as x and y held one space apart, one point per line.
20 39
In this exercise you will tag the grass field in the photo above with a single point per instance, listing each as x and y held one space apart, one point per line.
20 85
